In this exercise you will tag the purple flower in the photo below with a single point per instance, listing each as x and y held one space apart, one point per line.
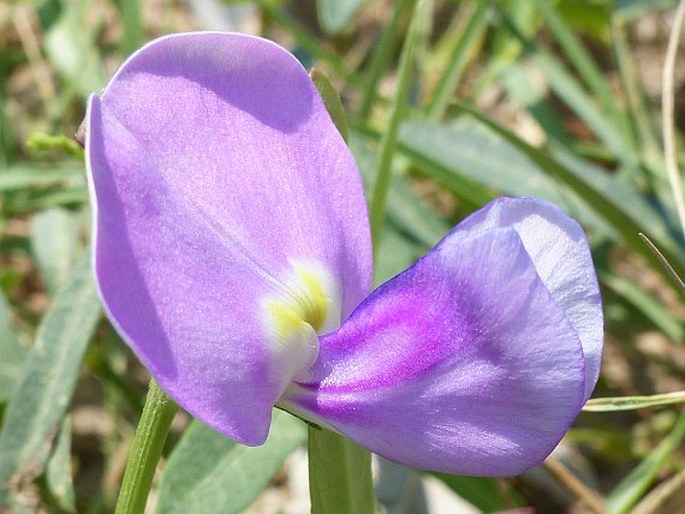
232 253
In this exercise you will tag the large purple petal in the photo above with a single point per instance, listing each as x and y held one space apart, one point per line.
464 363
559 250
218 177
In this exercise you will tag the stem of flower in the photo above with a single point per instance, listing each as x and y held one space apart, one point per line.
151 434
339 475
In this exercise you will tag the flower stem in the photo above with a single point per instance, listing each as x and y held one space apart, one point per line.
151 433
339 475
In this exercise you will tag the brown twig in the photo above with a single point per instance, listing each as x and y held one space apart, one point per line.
575 487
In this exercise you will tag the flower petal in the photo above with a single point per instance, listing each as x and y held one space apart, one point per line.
218 176
559 250
464 363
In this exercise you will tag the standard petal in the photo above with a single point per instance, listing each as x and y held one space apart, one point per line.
217 177
464 363
560 252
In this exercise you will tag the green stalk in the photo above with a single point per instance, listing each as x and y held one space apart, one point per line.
382 54
469 36
339 475
633 487
147 447
389 141
339 470
131 17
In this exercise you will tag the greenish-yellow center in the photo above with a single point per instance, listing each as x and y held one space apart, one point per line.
307 302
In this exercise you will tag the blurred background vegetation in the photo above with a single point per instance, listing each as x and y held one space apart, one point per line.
559 100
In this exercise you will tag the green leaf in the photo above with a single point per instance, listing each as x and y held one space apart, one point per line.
586 66
209 473
12 351
396 254
498 158
7 142
609 125
331 100
58 472
383 54
532 96
41 200
334 15
480 492
668 497
614 201
466 151
43 392
389 139
633 402
132 20
400 490
630 490
587 18
56 246
406 211
23 177
71 49
410 227
648 306
464 42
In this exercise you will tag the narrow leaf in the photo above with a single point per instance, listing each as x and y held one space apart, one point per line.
44 389
331 100
631 489
21 177
605 202
399 489
58 472
648 306
480 492
587 68
55 245
633 402
209 473
12 351
667 498
468 39
72 51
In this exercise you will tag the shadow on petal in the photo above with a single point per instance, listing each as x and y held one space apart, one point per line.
120 281
241 72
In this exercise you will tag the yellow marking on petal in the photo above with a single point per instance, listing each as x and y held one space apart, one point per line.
286 318
305 307
314 301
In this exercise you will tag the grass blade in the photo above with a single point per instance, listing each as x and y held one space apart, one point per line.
631 489
43 392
